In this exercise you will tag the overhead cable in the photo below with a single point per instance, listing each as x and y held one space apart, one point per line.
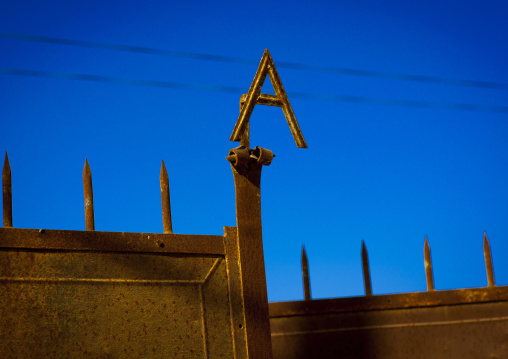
238 90
280 64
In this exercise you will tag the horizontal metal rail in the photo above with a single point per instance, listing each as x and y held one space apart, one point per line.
37 239
389 301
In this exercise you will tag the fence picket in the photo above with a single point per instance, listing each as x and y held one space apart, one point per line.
7 192
166 204
87 188
366 270
305 275
428 265
488 261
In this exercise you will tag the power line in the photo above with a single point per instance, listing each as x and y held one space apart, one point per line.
117 80
128 48
281 64
238 90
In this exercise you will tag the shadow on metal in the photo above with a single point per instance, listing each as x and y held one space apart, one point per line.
461 323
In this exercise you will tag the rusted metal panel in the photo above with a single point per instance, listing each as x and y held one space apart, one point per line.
465 323
129 295
462 323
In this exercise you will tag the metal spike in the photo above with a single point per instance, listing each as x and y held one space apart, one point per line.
87 188
428 265
366 270
166 204
488 261
7 192
305 275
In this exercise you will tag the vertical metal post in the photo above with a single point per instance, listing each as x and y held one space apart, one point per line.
428 265
7 192
87 188
305 275
166 204
247 177
488 261
366 270
246 165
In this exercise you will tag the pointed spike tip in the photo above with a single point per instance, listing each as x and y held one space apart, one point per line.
304 253
164 172
86 168
7 166
426 243
426 246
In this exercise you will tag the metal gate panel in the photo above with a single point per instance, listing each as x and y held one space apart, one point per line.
112 295
467 323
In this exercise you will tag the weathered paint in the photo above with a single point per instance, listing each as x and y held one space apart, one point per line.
85 294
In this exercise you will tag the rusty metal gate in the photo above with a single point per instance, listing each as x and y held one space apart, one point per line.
88 294
461 323
465 323
85 294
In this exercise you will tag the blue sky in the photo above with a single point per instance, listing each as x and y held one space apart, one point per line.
390 159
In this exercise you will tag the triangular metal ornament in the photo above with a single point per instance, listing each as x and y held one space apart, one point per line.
255 97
